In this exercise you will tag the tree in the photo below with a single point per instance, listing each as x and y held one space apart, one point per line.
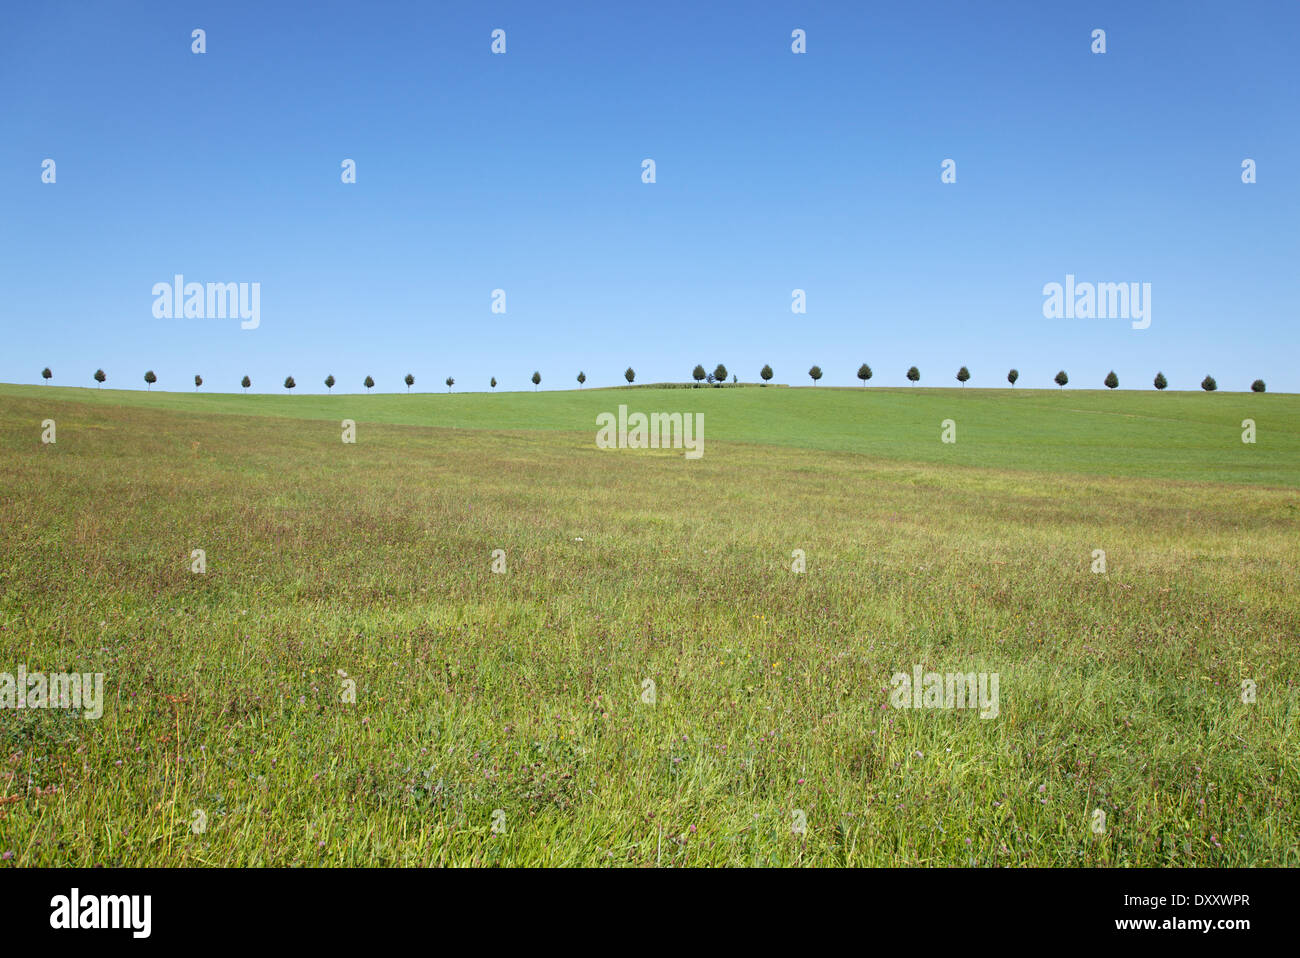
712 379
1160 381
198 381
46 374
537 380
914 375
720 373
698 374
289 383
1061 379
582 378
816 373
1208 384
450 382
766 374
1012 377
369 383
1112 381
864 373
329 381
494 382
1257 386
735 378
100 377
409 380
963 374
245 382
629 374
149 378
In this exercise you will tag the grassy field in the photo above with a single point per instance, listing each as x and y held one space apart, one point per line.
517 698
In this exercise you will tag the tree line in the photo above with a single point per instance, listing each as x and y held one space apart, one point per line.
715 378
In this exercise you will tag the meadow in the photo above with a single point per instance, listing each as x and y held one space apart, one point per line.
502 718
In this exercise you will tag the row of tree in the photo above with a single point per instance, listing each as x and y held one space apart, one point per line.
719 375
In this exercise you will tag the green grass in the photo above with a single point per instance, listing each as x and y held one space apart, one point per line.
1180 435
522 691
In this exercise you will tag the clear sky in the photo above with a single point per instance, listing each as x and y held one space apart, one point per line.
523 172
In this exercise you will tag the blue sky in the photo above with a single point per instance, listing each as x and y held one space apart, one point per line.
522 172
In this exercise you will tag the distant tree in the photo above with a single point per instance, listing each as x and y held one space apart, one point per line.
329 381
289 383
629 374
149 378
735 378
582 378
245 382
46 374
494 382
537 380
1160 382
914 375
1257 386
1112 381
720 374
864 373
409 380
963 374
1208 384
100 377
198 381
1061 379
1012 377
450 382
816 373
698 374
766 374
712 379
369 383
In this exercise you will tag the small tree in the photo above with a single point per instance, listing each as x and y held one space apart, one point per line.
766 374
289 383
963 374
494 382
712 379
629 374
1257 386
1160 381
1112 381
409 380
198 381
815 373
329 381
720 374
1208 384
46 374
369 383
914 375
1061 379
149 379
734 378
450 382
1012 377
537 380
582 378
245 382
698 374
864 373
100 378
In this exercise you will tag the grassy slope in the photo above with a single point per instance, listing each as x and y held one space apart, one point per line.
1180 435
521 691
